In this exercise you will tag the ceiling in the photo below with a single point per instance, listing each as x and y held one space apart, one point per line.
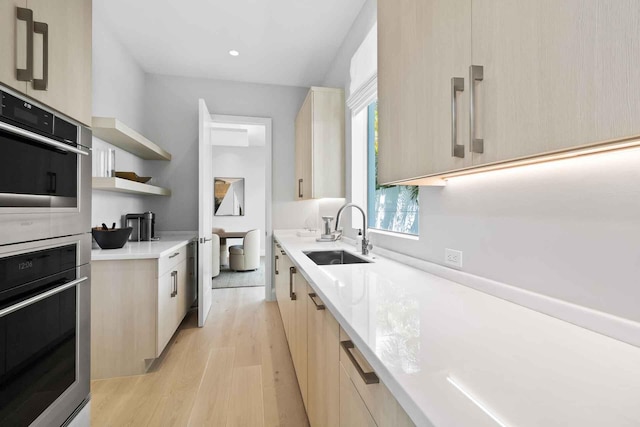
238 135
286 42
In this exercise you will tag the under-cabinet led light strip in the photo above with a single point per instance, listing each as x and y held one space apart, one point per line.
477 403
605 147
622 145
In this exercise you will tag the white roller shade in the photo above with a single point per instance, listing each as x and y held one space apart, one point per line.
364 72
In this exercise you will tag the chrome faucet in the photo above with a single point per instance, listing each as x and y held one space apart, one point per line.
338 232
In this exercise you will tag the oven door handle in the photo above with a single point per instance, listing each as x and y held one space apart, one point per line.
43 139
40 297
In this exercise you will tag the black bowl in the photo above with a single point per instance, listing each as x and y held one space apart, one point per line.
111 239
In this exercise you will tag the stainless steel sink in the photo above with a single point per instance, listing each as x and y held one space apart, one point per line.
334 257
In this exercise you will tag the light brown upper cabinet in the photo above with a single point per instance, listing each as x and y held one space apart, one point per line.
557 74
320 145
422 45
51 41
547 77
13 42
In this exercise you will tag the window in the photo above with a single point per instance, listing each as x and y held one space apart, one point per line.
390 208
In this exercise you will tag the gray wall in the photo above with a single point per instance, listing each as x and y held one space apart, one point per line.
172 121
118 91
569 229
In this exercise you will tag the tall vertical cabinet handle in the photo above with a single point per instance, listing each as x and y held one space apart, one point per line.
300 188
476 74
174 283
26 74
292 295
176 280
42 28
457 85
277 266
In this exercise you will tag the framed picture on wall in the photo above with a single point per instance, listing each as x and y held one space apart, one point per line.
228 196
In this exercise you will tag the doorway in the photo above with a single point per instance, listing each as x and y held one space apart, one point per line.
242 166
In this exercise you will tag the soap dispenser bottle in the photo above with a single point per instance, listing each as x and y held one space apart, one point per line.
359 240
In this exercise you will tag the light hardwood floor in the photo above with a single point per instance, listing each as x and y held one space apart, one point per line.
236 371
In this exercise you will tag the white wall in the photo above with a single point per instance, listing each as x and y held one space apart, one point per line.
247 163
569 230
118 91
172 121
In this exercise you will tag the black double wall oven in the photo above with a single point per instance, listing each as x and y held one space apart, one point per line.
45 274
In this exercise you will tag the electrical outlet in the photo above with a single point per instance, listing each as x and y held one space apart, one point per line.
453 258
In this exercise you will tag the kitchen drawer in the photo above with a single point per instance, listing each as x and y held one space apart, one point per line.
384 408
172 259
353 412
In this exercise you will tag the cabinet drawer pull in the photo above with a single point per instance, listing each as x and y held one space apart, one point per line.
26 74
277 258
300 188
313 296
367 377
292 295
174 255
42 28
476 74
457 85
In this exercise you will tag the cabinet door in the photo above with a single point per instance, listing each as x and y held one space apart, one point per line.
327 148
166 310
382 405
299 333
557 74
69 56
282 294
183 302
13 44
323 386
353 411
303 147
280 274
422 44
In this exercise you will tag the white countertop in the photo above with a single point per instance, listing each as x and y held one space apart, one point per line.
425 336
144 250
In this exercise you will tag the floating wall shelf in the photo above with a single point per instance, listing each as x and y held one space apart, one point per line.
117 133
120 185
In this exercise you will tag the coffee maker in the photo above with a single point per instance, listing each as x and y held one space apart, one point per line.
144 226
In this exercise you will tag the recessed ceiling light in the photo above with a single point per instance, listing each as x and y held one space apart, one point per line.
234 53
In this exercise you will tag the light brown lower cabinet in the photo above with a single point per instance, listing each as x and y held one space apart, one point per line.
353 411
333 391
282 265
384 408
173 303
291 296
136 307
299 350
323 386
